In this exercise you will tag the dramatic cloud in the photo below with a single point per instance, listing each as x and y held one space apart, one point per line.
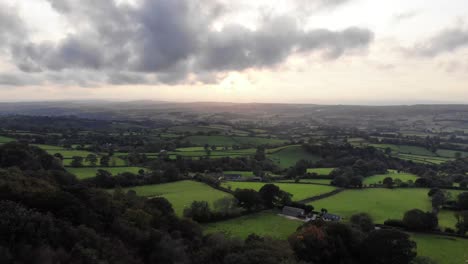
448 40
167 41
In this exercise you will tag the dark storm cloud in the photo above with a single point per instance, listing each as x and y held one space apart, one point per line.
448 40
172 39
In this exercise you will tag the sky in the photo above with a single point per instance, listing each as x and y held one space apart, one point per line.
295 51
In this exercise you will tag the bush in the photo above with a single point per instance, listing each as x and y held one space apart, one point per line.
395 223
420 221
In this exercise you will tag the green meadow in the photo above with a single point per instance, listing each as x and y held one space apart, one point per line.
233 140
321 171
299 191
444 250
90 172
5 139
289 156
181 194
266 223
382 204
375 179
316 181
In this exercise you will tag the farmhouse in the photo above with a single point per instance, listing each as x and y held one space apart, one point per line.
294 212
233 177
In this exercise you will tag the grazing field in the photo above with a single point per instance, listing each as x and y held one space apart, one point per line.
243 174
379 178
299 191
219 153
443 249
49 147
232 140
68 154
181 194
289 156
316 181
423 159
89 172
321 171
266 223
5 139
382 204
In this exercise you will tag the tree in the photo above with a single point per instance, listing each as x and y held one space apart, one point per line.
92 159
340 181
58 156
462 201
388 182
363 221
77 161
199 211
462 222
105 161
457 155
260 153
248 199
438 199
272 196
418 220
356 181
388 247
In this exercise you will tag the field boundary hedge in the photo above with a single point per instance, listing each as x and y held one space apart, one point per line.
321 196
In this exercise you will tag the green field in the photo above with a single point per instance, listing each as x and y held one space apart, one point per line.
379 178
265 223
89 172
49 147
382 204
244 174
232 140
444 250
289 156
181 194
299 191
317 181
5 139
321 171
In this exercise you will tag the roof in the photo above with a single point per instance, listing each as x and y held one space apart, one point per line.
331 217
292 211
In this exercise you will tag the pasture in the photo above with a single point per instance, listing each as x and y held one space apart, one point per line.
5 139
289 156
90 172
382 204
321 171
444 250
181 194
299 191
233 140
243 174
316 181
266 223
376 179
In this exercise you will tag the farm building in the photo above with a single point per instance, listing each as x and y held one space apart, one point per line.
294 212
331 217
233 177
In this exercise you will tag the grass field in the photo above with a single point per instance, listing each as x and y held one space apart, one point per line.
49 147
382 204
89 172
444 250
181 194
265 223
379 178
232 140
299 191
318 181
321 171
5 139
289 156
244 174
